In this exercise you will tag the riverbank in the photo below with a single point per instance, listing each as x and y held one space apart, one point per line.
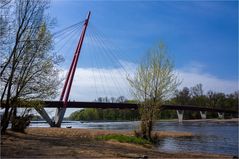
81 143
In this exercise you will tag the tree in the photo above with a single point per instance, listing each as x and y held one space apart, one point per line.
153 83
182 97
4 3
198 98
221 99
121 99
211 96
112 99
28 70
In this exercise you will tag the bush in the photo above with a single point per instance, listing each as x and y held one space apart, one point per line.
20 123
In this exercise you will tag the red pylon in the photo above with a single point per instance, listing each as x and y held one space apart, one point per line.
70 76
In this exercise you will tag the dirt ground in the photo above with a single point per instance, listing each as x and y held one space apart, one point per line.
80 143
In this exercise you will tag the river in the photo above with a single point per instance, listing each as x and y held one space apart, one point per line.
209 136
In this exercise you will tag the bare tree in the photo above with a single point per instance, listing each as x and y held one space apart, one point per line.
198 98
121 99
153 83
112 99
4 3
182 97
28 71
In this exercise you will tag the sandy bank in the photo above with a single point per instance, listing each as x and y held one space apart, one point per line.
91 133
80 143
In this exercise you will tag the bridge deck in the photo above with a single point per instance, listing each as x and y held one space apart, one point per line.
52 104
73 104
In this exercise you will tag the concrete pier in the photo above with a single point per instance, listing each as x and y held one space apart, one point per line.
220 115
203 114
45 116
60 112
180 115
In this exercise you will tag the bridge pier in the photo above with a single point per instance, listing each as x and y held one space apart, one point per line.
45 116
60 112
180 115
220 115
203 114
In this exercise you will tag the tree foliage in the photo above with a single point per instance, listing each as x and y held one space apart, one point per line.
153 83
106 114
28 66
90 114
196 96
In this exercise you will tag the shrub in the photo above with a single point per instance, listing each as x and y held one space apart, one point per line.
20 123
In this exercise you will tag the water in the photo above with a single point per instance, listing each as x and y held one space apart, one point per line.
210 137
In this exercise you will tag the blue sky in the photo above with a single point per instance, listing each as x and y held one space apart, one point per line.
201 36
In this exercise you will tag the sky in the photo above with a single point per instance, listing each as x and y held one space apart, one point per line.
201 39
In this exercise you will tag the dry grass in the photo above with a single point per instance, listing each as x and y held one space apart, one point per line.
161 134
91 133
72 132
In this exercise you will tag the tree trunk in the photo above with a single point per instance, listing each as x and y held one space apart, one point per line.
14 114
5 120
144 129
149 129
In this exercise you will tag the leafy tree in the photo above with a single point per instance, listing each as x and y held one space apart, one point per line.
28 70
106 114
221 98
232 100
153 83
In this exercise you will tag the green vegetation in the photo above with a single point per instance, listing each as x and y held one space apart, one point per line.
196 96
104 114
123 138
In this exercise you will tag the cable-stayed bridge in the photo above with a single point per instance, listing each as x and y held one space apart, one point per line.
99 62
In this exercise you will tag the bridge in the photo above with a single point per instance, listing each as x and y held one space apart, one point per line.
103 105
64 102
133 106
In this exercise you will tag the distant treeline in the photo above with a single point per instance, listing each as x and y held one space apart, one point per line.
104 114
187 96
195 96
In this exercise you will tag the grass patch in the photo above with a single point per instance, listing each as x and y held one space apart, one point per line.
123 138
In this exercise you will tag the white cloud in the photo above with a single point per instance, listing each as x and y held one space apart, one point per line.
194 74
91 83
208 81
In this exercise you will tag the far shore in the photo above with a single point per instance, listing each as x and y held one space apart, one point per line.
81 143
